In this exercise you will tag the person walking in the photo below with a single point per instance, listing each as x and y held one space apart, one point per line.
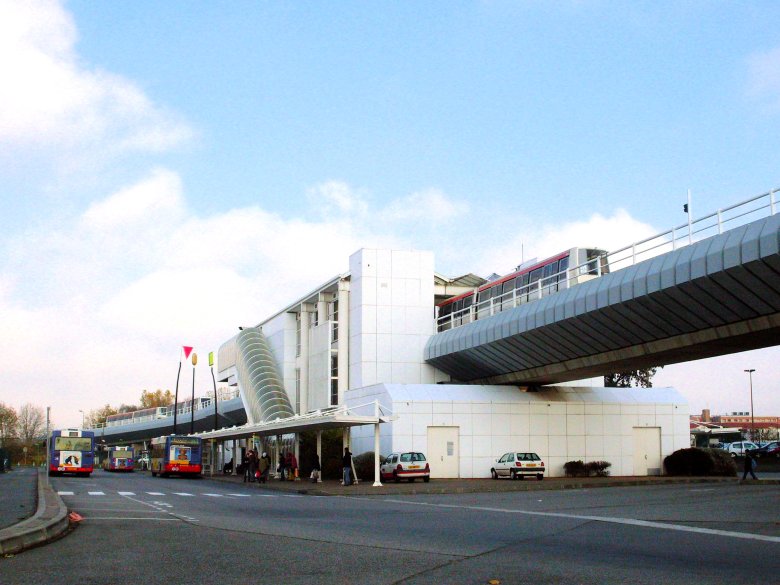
282 462
750 465
346 464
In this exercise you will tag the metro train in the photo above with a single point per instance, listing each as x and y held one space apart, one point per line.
530 281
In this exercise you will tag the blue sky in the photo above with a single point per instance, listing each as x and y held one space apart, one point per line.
170 171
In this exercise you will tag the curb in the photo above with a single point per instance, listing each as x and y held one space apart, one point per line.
49 522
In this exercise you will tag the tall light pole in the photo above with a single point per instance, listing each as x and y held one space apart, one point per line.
752 416
82 418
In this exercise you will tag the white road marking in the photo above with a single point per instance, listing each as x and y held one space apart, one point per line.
126 493
214 495
608 519
155 493
65 493
181 494
90 518
241 495
96 493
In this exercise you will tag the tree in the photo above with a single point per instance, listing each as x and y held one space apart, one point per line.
9 421
32 423
639 378
98 416
156 398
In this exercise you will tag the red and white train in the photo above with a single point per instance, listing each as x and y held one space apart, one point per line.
529 281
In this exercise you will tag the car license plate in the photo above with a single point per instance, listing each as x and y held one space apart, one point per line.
414 467
531 465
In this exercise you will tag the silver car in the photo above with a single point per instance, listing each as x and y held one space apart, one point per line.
518 464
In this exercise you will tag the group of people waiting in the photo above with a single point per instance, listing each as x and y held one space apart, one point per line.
256 467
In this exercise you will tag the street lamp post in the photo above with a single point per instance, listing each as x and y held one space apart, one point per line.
82 418
752 416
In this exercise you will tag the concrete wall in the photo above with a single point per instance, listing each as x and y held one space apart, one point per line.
559 423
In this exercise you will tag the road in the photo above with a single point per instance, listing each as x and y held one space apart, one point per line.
140 529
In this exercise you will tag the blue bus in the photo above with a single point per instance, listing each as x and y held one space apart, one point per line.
119 459
71 451
176 454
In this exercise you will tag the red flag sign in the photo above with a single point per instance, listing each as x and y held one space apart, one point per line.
187 351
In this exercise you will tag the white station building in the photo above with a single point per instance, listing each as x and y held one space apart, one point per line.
356 343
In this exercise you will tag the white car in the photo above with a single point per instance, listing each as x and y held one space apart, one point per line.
739 447
518 464
409 465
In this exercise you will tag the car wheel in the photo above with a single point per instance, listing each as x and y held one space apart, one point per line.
540 477
493 474
427 478
512 474
396 479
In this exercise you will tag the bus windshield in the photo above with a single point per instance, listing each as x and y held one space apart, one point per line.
72 444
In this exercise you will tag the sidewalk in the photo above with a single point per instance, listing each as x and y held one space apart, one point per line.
465 486
25 490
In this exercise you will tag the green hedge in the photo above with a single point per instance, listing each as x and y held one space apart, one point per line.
700 462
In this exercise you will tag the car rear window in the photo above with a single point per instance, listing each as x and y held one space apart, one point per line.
407 457
528 457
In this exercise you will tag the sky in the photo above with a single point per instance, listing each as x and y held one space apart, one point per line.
170 171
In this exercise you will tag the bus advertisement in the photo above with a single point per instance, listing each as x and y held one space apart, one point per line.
176 454
119 459
71 451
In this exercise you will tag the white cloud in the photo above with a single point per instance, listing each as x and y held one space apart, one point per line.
337 197
154 199
431 206
60 106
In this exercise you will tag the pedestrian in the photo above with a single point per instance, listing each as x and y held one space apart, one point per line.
292 466
251 460
243 466
315 469
263 467
280 469
346 464
750 465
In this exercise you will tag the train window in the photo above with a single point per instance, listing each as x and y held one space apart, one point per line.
524 280
509 285
467 301
445 310
550 269
535 275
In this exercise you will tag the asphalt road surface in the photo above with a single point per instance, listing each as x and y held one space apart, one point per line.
139 529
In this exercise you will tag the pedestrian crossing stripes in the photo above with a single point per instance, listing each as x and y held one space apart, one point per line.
180 494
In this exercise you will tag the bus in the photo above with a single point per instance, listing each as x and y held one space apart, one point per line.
71 451
119 459
176 454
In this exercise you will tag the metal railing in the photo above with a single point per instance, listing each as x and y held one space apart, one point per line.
760 206
202 403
